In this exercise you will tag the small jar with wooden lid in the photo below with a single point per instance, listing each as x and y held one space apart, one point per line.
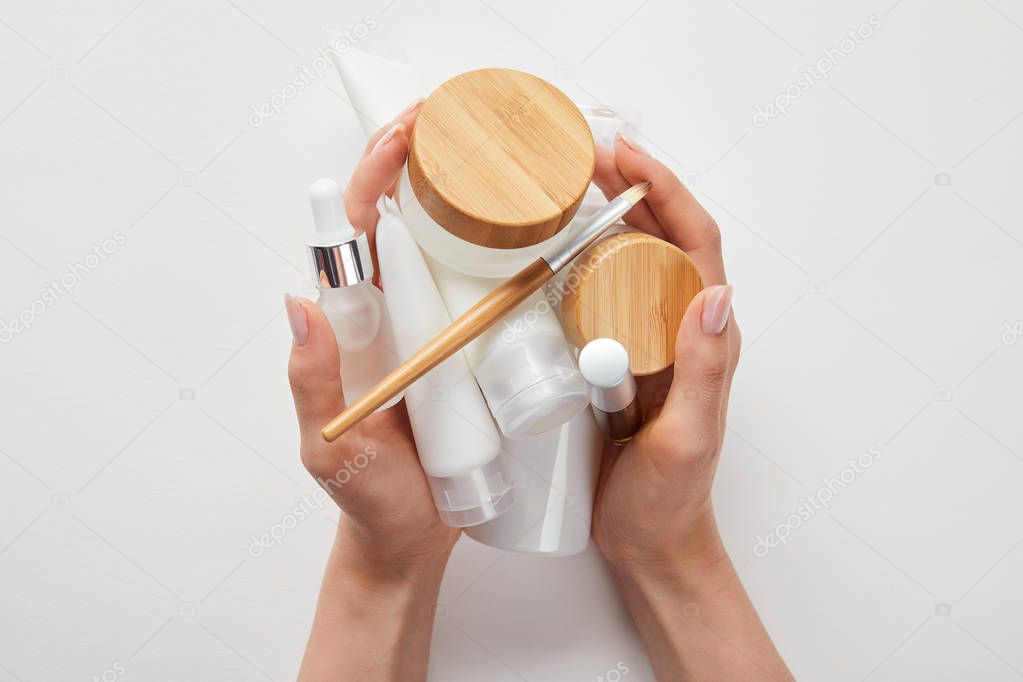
634 288
499 162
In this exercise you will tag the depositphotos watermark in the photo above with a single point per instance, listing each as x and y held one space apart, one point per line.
309 73
112 673
811 504
307 505
55 289
811 74
1012 332
614 674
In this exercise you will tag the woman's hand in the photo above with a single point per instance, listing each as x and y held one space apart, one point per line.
656 491
373 471
653 518
391 547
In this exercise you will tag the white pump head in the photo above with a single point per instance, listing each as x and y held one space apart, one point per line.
340 253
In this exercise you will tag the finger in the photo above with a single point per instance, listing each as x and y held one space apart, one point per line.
734 351
686 223
375 173
407 116
361 200
704 362
611 182
314 369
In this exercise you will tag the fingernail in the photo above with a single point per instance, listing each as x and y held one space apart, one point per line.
297 319
634 146
410 108
388 136
717 307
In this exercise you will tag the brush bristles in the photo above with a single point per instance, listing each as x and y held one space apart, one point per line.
636 192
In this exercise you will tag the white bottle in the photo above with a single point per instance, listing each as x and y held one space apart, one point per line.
523 364
555 477
454 432
354 306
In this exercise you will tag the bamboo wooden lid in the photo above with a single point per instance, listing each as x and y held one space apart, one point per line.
633 288
500 158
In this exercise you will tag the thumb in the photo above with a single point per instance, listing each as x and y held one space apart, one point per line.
314 369
703 367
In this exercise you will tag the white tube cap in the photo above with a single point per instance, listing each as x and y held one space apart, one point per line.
474 497
604 363
532 386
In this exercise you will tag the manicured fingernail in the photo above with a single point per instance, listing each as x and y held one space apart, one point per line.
410 108
388 136
717 307
297 319
634 146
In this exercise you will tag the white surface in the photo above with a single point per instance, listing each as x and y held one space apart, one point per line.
126 526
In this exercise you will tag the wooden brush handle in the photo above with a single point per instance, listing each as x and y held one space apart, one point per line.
461 331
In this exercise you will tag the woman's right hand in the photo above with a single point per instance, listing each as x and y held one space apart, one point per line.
653 519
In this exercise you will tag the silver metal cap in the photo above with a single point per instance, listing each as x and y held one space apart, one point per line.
342 264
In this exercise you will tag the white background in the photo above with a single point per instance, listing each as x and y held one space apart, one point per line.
147 429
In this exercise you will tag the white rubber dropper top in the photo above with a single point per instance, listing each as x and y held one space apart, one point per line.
332 226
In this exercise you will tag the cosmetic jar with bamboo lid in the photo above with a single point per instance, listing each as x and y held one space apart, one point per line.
634 288
499 162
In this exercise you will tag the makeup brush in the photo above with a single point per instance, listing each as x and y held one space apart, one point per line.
484 314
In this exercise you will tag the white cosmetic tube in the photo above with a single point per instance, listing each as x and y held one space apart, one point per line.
555 477
378 87
454 432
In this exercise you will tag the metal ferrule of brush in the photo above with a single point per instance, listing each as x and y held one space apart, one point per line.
601 221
